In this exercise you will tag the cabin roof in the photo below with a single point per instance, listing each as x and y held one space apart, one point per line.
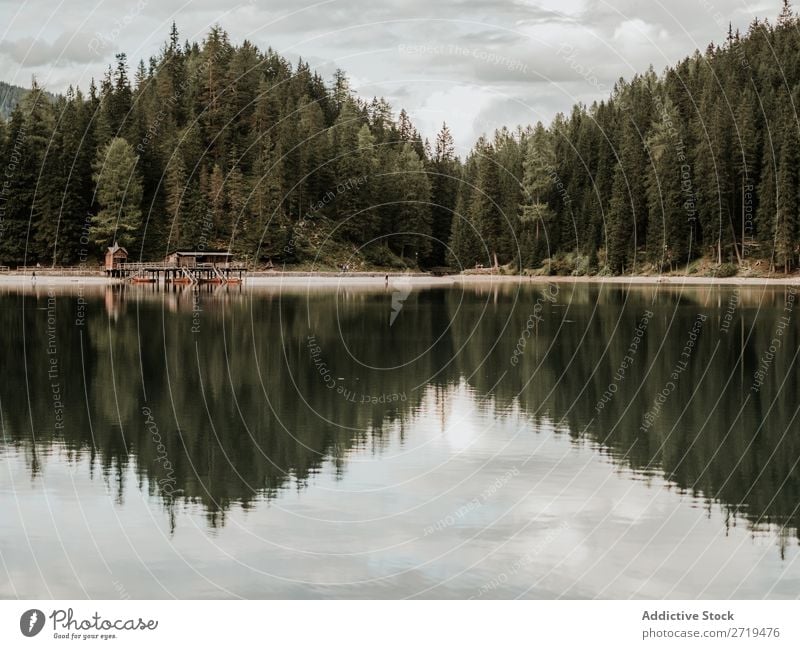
201 253
116 248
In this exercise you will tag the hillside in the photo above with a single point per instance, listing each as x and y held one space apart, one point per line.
220 146
216 145
692 170
10 96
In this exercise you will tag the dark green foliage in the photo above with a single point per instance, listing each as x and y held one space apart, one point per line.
235 148
699 161
445 174
119 195
485 211
226 147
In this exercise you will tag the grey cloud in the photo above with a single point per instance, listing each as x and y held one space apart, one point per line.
65 50
495 57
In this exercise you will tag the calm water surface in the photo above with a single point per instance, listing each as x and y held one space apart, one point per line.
526 440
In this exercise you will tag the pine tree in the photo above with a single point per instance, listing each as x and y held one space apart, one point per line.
16 201
619 225
119 194
748 153
313 152
176 204
786 229
237 194
342 95
265 234
348 166
74 181
464 249
537 183
484 212
786 16
210 95
669 223
216 198
43 145
766 214
117 98
412 228
444 179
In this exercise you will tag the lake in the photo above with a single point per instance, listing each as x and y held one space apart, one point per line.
527 439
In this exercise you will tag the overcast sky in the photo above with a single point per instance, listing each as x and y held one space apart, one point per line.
477 64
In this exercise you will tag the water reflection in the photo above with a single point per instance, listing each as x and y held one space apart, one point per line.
223 396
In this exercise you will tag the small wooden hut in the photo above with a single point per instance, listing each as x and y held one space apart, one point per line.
115 255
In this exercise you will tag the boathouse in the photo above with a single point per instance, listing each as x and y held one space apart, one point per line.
116 255
198 258
179 267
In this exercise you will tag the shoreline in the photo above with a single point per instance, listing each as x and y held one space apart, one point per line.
327 279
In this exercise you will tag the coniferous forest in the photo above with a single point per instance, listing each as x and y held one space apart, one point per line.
214 145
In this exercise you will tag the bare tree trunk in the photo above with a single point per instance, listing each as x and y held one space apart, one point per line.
735 246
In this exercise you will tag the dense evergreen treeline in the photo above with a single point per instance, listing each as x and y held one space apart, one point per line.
214 145
217 146
701 161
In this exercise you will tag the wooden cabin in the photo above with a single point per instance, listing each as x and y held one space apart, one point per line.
195 258
115 255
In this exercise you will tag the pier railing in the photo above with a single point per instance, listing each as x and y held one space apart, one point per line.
57 270
138 265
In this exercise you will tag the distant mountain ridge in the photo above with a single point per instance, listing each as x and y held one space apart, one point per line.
10 96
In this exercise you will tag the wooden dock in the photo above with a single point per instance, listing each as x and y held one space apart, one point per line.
155 273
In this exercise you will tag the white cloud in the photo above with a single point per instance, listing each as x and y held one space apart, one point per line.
497 60
638 32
